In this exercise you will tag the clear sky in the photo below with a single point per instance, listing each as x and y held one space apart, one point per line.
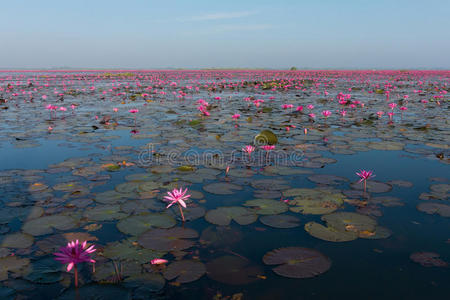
148 34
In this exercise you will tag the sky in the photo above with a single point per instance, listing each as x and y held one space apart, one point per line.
147 34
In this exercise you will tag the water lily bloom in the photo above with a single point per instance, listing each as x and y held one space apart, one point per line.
115 109
133 111
62 108
364 176
403 108
380 113
179 197
326 113
249 149
343 113
312 116
73 254
236 116
158 261
392 105
268 147
299 108
310 106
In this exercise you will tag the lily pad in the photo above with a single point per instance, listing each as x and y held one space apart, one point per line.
136 225
314 201
126 250
373 186
435 208
327 179
265 137
428 259
220 236
46 270
48 224
233 270
185 271
12 264
222 188
177 238
348 221
329 234
16 240
270 184
297 262
280 221
266 206
104 213
224 215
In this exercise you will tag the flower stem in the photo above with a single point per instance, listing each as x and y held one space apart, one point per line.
181 212
76 276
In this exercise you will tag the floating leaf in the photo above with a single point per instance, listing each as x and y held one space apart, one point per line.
223 215
136 225
266 206
327 179
329 234
185 271
428 259
104 213
126 250
314 201
16 240
220 236
222 188
435 208
12 264
233 270
48 224
297 262
373 186
97 292
168 239
280 221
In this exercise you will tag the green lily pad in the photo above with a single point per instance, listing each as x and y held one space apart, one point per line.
329 234
373 186
348 221
190 213
46 270
16 240
185 271
266 206
104 213
280 221
110 197
270 184
297 262
177 238
314 201
12 264
126 250
224 215
220 236
222 188
242 173
136 225
435 208
145 284
265 137
48 224
233 270
327 179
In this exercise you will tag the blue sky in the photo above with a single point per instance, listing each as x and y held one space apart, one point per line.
148 34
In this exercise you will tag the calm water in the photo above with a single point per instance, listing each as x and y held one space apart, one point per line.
61 163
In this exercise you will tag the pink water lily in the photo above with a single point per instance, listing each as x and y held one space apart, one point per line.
249 149
73 254
236 116
158 261
326 113
179 197
364 176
